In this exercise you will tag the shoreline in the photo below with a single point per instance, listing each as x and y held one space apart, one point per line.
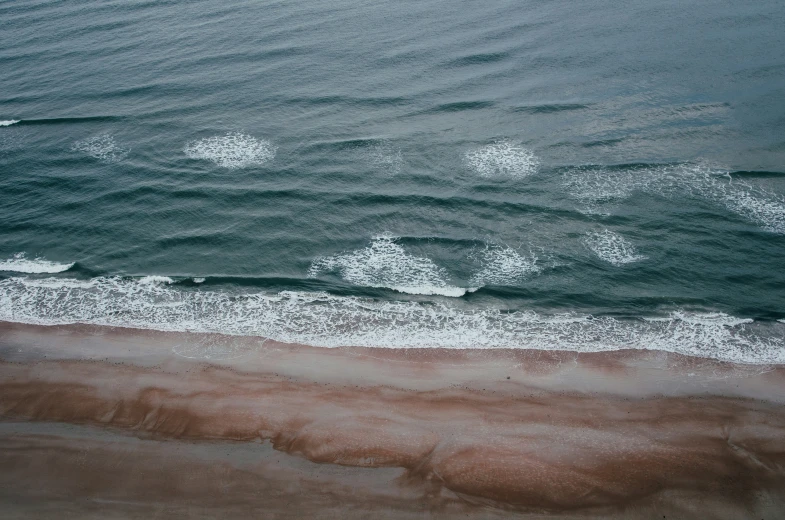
609 434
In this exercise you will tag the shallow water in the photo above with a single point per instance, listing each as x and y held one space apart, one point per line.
471 174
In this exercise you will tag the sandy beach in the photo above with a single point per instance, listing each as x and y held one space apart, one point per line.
117 423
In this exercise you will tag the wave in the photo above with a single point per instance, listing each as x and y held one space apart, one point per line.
503 265
612 247
233 150
595 187
155 279
19 263
502 159
71 120
386 264
102 147
549 108
324 320
478 59
9 122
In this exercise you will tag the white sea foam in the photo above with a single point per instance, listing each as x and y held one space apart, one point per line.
155 279
594 188
755 204
503 265
9 122
706 318
199 280
385 263
502 159
612 247
385 157
102 147
19 263
233 150
331 321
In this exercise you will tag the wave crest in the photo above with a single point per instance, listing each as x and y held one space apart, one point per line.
19 263
386 264
323 320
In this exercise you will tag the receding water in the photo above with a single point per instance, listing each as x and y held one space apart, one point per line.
528 174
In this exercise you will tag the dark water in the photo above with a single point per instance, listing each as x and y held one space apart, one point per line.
532 174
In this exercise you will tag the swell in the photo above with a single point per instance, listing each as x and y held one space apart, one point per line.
70 120
550 108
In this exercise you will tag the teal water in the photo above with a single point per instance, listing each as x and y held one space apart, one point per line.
584 176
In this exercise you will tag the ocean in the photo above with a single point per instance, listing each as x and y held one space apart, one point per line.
584 176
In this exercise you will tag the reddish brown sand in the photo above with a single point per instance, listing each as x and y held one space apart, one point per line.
115 423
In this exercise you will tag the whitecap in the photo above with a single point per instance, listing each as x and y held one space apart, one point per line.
151 279
102 147
233 150
502 159
612 247
504 266
323 320
199 279
21 264
9 122
755 204
596 187
385 263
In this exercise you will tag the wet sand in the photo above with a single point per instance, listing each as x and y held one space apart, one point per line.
117 423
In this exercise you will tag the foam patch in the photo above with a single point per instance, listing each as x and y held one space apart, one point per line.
502 159
612 248
503 266
596 187
233 150
101 147
385 158
385 263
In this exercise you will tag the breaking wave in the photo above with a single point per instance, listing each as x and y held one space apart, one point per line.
19 263
324 320
386 264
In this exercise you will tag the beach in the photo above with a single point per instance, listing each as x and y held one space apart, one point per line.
392 260
101 421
